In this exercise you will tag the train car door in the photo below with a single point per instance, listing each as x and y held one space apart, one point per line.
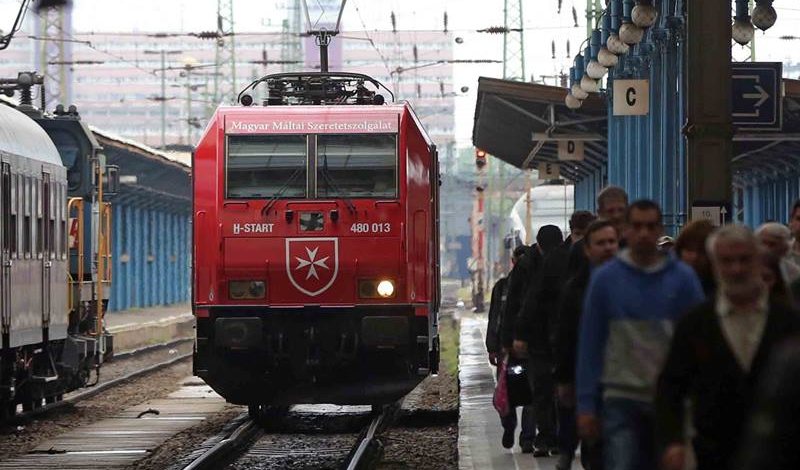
5 241
47 263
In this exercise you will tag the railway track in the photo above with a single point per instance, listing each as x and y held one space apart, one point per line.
77 396
246 444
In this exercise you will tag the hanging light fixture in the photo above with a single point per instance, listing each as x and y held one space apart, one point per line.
576 74
604 56
764 15
644 14
594 69
743 30
587 83
629 33
614 43
571 100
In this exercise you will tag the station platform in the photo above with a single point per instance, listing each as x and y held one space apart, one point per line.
479 430
137 328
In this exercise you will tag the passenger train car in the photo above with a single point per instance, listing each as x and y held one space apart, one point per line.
316 264
53 236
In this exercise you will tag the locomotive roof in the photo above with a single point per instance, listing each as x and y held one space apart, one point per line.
21 136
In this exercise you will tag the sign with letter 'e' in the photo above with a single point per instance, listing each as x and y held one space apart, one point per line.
570 150
549 171
631 97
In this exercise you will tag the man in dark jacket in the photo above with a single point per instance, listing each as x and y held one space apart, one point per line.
717 354
494 342
612 202
601 244
774 429
504 323
534 334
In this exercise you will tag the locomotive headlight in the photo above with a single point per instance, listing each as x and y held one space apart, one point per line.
243 290
385 288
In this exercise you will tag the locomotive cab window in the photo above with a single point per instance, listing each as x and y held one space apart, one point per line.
266 166
357 165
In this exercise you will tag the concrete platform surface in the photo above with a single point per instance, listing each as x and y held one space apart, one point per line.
479 430
136 328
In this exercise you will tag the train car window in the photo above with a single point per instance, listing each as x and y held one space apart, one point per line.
13 224
63 210
265 166
357 165
6 170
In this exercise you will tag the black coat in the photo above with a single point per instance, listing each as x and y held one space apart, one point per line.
702 367
536 320
518 280
774 432
567 323
499 292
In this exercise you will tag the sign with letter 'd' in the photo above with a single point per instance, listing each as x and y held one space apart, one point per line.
631 97
570 150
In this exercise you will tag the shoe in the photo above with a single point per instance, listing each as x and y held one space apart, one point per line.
527 447
508 438
553 451
541 452
564 462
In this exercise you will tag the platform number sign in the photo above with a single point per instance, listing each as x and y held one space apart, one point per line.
631 97
716 214
549 171
570 150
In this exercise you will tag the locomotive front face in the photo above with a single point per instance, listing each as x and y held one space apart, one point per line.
313 255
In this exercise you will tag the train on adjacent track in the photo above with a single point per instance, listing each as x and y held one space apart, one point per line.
316 254
54 250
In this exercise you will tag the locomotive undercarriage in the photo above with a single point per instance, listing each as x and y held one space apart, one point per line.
40 374
277 357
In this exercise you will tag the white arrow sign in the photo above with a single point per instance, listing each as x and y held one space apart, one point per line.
762 96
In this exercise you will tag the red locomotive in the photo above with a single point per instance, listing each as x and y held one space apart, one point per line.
316 255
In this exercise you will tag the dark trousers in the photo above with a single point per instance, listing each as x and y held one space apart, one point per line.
591 453
544 406
527 426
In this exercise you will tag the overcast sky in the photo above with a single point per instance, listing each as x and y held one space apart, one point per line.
542 25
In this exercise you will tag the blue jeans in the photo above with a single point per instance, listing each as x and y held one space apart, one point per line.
628 435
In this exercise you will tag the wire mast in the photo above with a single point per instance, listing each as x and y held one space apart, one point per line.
225 80
54 54
513 41
323 36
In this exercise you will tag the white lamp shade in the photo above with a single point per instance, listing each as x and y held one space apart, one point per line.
590 85
644 16
578 92
572 102
764 17
616 46
631 34
743 32
607 58
595 70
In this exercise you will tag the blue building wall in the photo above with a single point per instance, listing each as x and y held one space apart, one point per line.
647 154
765 200
151 255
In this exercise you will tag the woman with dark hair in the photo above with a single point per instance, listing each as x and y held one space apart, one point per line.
690 247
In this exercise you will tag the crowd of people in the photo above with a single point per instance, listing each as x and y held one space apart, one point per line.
636 345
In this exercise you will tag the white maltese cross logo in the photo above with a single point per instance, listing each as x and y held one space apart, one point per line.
312 263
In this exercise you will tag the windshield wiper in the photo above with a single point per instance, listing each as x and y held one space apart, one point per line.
280 192
326 174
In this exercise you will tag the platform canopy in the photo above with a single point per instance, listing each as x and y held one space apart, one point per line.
766 155
522 124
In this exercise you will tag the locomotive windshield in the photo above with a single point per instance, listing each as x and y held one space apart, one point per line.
357 165
264 166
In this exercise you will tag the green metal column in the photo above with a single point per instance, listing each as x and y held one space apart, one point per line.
709 127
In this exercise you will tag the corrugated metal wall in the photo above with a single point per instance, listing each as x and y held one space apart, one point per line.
151 255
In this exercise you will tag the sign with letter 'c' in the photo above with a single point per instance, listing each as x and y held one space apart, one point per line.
570 150
631 97
549 171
